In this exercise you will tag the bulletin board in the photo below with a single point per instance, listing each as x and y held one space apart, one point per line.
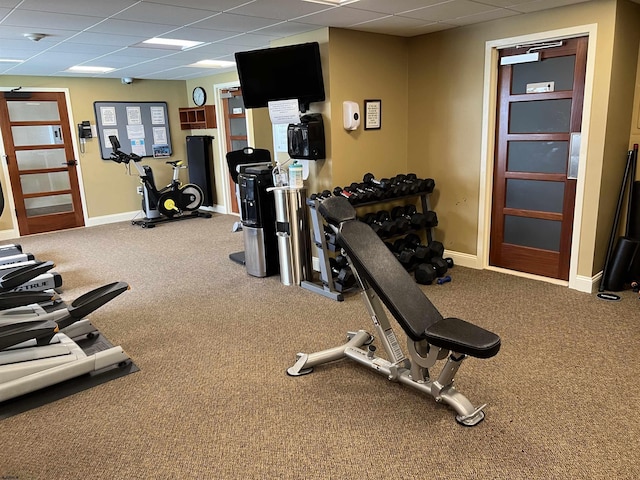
141 127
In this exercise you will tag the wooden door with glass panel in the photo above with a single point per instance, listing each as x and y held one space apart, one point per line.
235 123
41 164
535 168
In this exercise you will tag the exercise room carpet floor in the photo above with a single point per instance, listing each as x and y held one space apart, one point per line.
212 399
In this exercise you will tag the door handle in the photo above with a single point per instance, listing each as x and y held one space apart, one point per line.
70 163
574 156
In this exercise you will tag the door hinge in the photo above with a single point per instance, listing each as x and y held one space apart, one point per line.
6 158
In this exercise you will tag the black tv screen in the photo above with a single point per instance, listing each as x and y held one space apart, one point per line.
281 73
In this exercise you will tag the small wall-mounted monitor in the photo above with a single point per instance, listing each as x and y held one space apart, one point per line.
281 73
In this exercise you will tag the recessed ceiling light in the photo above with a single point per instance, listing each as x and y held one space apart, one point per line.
88 69
173 42
213 64
333 2
10 60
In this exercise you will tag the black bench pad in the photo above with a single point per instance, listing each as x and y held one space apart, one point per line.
404 299
463 337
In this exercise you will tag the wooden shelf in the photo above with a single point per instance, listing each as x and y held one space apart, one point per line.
198 117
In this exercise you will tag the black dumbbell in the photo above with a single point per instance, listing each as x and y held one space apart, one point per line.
405 255
420 220
320 195
422 185
384 183
414 219
375 193
389 227
425 274
440 265
412 244
366 194
436 248
351 196
343 277
409 187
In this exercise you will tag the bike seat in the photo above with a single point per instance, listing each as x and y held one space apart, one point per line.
175 163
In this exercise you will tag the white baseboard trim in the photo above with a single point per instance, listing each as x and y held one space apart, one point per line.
586 284
8 234
464 259
115 218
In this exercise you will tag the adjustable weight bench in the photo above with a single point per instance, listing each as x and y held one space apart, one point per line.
430 337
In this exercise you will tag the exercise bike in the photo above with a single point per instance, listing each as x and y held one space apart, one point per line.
174 202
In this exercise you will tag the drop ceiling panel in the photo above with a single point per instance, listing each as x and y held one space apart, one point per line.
201 34
340 17
280 9
287 29
449 10
393 7
163 14
125 27
483 17
217 5
41 21
391 25
235 23
103 9
543 5
95 38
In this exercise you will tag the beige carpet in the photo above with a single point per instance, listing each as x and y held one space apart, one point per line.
212 400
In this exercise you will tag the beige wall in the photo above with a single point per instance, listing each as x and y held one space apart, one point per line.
107 189
446 81
368 66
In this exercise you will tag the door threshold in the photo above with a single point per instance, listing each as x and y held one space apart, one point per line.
531 276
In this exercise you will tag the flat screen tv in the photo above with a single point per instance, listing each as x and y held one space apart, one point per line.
281 73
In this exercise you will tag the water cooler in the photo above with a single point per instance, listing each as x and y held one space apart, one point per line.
258 221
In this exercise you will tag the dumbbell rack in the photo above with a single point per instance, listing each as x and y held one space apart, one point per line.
327 286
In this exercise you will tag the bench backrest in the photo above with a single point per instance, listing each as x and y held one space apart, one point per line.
382 271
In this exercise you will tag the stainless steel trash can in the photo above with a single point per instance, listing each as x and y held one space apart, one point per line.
292 233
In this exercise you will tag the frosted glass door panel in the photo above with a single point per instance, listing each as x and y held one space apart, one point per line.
48 205
532 232
556 69
238 127
543 116
32 159
537 157
33 111
539 195
238 144
37 135
45 182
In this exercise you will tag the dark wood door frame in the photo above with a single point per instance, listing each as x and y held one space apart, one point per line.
53 222
536 261
480 259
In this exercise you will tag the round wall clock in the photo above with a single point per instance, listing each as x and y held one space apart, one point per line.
199 96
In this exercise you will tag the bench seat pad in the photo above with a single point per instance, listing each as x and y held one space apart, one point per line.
463 337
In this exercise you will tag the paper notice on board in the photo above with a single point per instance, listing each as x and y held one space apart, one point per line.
134 117
108 115
159 135
135 131
157 116
137 147
284 111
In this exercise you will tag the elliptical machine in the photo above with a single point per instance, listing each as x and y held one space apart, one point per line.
173 202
